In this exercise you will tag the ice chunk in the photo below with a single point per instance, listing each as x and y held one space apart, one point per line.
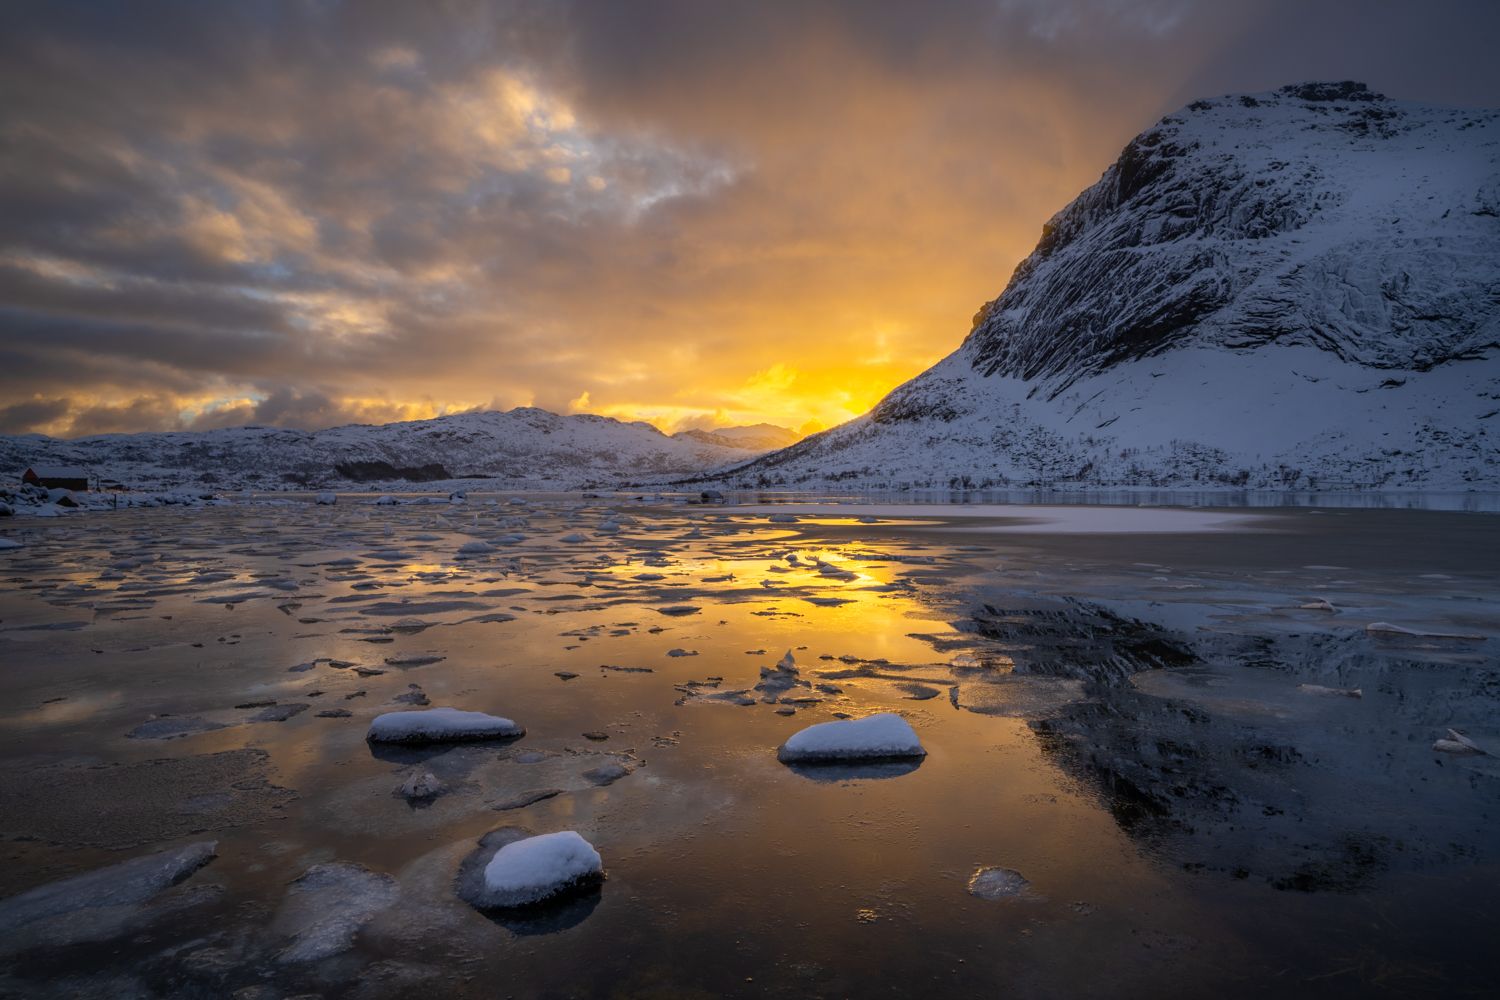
414 659
167 727
7 544
421 785
520 800
999 883
279 713
574 537
1458 744
327 906
776 681
882 736
539 868
607 773
1386 629
1321 689
385 501
327 499
782 519
440 725
125 884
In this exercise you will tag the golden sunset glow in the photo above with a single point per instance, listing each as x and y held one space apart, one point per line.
688 214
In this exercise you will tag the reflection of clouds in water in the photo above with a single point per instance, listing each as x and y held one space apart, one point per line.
73 708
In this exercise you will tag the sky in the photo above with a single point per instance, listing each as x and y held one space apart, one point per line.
700 213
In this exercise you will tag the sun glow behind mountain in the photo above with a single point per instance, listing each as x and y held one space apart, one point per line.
696 215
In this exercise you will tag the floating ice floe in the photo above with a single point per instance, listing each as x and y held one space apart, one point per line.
1320 689
885 736
574 537
782 519
166 727
327 499
327 906
1382 629
7 544
385 501
414 659
999 883
1458 744
440 725
126 884
539 868
474 548
520 800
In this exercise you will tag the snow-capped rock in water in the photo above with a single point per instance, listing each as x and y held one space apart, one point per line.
1298 289
885 736
537 869
440 725
524 447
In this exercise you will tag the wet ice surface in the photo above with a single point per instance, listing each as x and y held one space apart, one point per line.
1155 763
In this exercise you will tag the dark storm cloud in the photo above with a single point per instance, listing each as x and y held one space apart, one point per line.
308 213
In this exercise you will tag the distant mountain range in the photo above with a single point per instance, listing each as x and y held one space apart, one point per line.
1288 290
522 448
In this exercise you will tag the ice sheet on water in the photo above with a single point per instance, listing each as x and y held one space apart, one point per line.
168 727
327 906
999 883
128 883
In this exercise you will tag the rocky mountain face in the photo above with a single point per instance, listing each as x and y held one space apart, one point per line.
525 447
1297 289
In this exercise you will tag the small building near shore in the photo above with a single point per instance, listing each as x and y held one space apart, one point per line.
57 477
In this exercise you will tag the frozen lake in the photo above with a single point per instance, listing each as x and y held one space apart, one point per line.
1166 753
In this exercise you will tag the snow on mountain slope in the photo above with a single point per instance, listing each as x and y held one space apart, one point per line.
525 447
756 437
1282 290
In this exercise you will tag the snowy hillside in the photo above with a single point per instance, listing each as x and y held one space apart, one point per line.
755 437
1285 290
525 447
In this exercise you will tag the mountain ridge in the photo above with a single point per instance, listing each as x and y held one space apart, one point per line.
522 447
1239 254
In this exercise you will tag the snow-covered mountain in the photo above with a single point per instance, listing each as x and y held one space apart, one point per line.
755 437
1298 289
525 447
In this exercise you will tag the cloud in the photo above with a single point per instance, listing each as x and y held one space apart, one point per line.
699 214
